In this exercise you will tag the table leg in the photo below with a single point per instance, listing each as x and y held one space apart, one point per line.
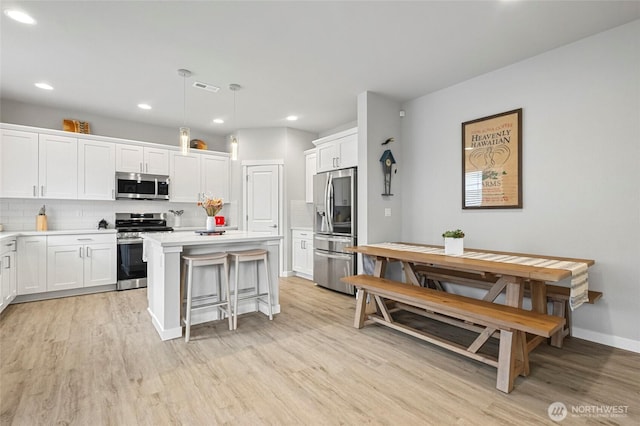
378 271
515 291
538 296
410 274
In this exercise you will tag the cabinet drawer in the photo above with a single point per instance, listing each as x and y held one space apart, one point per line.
63 240
304 235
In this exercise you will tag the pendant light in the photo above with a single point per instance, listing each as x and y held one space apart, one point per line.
234 139
185 133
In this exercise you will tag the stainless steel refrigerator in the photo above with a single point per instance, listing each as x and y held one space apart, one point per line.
335 227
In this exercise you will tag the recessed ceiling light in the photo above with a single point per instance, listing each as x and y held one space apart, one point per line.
292 117
218 120
18 15
144 106
44 86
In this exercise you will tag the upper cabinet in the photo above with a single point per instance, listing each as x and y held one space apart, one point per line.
195 174
38 166
214 176
58 167
19 164
338 151
139 159
185 177
96 170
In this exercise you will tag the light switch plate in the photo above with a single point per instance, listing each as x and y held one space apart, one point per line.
387 211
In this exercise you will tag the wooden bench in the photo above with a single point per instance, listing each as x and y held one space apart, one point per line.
487 318
559 298
556 295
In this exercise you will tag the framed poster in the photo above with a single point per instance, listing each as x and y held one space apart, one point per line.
492 162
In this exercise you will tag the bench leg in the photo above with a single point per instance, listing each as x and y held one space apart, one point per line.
559 310
361 302
507 361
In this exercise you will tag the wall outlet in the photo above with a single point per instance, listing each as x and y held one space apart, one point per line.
387 212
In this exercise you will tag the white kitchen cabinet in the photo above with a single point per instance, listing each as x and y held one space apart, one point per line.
310 171
302 256
18 164
215 176
195 174
8 270
185 177
139 159
96 170
75 261
57 167
32 264
338 151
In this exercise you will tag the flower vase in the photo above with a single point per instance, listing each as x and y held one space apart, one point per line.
211 223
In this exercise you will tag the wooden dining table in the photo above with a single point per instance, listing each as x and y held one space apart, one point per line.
498 277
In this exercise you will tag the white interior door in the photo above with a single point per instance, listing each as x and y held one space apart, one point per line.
263 198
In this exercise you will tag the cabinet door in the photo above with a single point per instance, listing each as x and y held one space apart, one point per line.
7 278
347 148
12 269
215 176
129 158
18 164
58 167
156 161
298 256
185 177
326 157
96 170
310 171
308 248
32 265
65 267
99 264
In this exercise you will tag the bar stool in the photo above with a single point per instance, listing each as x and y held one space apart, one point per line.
255 255
224 305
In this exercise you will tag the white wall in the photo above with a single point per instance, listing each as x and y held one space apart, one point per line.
15 112
581 169
378 120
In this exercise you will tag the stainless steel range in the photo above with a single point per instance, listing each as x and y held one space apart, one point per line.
132 270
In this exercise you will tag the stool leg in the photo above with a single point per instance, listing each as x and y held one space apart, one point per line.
235 296
183 277
266 270
187 324
257 281
226 283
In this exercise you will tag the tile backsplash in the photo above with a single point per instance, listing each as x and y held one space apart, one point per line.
20 214
301 214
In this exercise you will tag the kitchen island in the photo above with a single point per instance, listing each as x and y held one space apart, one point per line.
162 251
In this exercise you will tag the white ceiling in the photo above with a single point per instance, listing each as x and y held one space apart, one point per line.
311 59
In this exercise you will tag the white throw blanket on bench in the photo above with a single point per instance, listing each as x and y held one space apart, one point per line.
579 278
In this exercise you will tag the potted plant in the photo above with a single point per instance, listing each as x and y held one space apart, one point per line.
453 242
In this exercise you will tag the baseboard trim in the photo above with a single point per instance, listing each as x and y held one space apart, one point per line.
607 339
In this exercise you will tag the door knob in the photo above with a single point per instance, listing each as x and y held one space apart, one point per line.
273 226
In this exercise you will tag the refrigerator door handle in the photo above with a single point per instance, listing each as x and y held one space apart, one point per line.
329 208
334 256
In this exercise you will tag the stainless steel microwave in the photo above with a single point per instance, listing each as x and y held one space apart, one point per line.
140 186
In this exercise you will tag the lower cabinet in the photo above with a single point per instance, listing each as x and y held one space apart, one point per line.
32 265
302 256
80 261
7 273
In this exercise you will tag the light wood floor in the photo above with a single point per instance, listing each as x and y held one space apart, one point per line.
97 360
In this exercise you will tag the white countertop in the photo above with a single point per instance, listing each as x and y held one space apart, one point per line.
8 234
302 228
173 239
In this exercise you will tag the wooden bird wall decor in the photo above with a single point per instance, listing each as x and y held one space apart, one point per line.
387 161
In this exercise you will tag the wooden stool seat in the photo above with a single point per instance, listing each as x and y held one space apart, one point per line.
223 304
254 255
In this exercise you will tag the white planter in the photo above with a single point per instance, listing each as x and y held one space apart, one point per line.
211 223
453 246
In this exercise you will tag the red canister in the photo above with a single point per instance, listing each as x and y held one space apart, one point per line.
219 220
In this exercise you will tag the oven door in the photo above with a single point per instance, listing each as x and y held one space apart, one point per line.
132 270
